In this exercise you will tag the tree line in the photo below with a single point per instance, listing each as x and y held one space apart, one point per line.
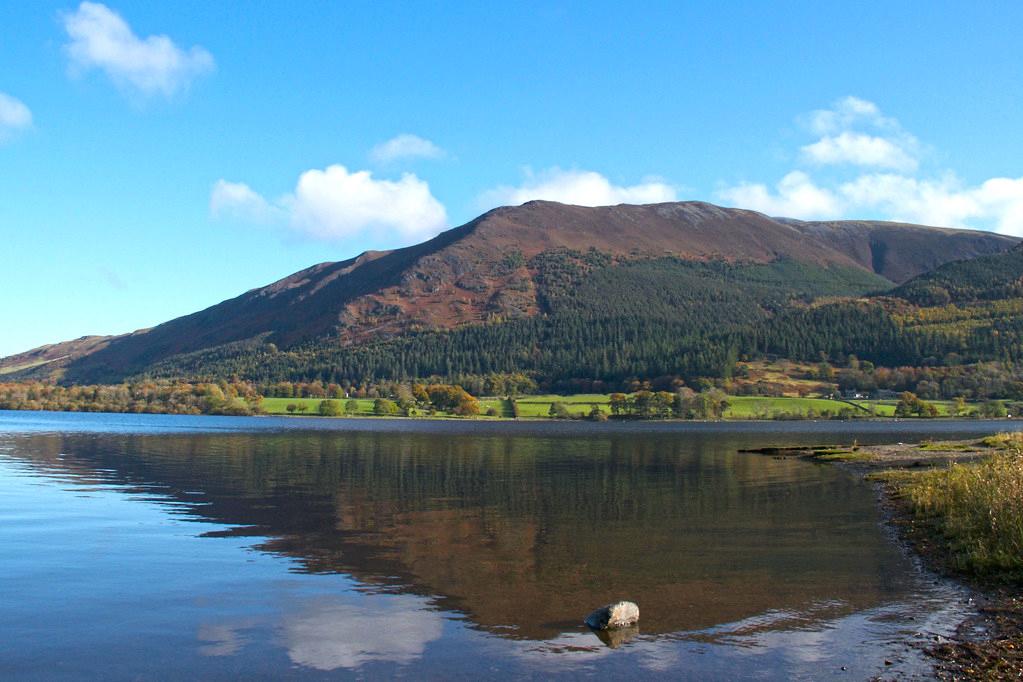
152 397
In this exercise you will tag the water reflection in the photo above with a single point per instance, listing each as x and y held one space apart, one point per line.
515 538
524 532
222 639
619 637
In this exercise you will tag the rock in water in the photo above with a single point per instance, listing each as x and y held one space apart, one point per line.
613 616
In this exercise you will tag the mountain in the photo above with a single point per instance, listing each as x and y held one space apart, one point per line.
688 262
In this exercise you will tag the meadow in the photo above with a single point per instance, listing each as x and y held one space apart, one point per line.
539 407
886 408
312 405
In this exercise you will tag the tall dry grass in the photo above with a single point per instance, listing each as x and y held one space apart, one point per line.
978 507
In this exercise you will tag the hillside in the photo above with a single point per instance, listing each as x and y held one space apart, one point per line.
964 311
40 360
900 251
990 278
693 264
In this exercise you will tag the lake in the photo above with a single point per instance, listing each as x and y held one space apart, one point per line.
169 547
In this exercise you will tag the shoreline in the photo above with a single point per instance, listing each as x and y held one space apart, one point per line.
614 420
488 419
988 643
916 425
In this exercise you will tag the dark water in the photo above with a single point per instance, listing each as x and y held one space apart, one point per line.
157 547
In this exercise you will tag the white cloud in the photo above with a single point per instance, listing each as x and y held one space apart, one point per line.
846 113
859 149
796 196
101 39
843 138
335 203
936 199
1003 199
943 201
578 187
238 200
14 116
405 146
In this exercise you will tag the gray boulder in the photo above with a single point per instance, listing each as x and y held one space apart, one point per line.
620 614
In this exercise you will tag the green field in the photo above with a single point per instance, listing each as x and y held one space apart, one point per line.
280 405
538 406
744 407
741 407
886 408
529 406
756 407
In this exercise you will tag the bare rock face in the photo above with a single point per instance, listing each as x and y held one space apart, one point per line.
620 614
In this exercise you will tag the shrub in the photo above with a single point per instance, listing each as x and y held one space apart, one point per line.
559 410
330 408
384 407
1005 441
467 407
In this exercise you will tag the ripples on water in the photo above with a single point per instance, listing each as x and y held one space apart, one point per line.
160 547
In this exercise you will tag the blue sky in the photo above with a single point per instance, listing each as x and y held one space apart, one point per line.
156 158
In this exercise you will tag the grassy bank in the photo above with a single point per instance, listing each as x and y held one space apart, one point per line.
975 508
969 518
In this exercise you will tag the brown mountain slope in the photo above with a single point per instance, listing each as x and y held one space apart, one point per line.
480 271
689 229
52 355
899 251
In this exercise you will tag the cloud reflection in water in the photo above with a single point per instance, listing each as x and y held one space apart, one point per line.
333 633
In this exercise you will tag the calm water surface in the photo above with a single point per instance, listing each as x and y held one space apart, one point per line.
161 547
